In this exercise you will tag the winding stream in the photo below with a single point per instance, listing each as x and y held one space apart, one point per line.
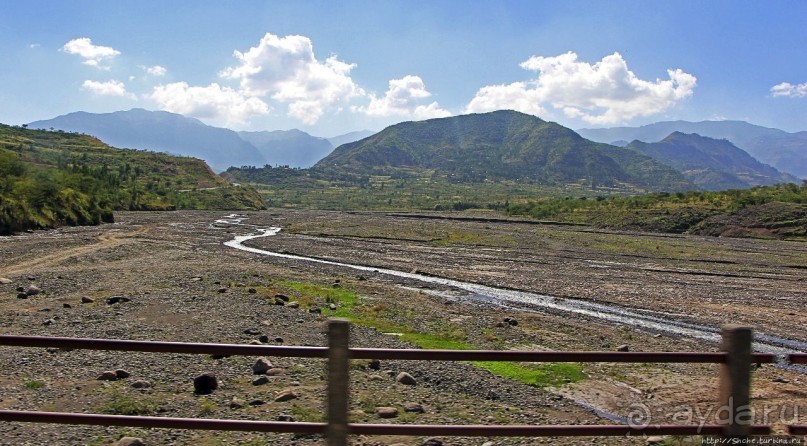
611 313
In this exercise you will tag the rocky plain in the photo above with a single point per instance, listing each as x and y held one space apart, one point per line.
168 276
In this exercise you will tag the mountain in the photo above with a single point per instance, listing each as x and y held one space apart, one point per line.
293 148
784 151
338 140
501 145
163 132
712 164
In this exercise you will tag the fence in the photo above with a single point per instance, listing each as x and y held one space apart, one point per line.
736 358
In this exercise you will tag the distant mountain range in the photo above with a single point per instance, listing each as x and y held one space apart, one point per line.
176 134
712 164
501 145
785 151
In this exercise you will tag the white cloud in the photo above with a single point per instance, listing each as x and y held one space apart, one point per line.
606 92
109 88
789 90
156 70
402 99
93 55
214 102
34 45
286 69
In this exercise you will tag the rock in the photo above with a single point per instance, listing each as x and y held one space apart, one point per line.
117 299
261 366
4 281
386 412
52 350
257 402
432 442
414 408
293 304
67 306
20 289
406 379
332 307
222 290
252 331
284 417
218 356
87 300
205 383
279 340
488 443
361 278
781 380
510 321
130 441
623 348
32 290
282 297
376 378
31 278
49 322
375 364
259 381
280 302
263 338
274 371
196 279
141 384
315 310
22 296
654 440
122 374
286 395
255 342
252 291
108 375
237 403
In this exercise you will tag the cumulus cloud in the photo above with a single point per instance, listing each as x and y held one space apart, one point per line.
606 92
789 90
213 102
109 88
286 69
156 70
93 55
403 98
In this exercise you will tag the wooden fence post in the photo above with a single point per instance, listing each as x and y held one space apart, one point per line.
735 382
338 380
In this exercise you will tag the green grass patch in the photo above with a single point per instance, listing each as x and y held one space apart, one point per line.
540 375
34 384
120 403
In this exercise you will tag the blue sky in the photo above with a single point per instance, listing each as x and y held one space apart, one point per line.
333 67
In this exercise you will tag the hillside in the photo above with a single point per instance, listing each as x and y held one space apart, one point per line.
502 145
52 179
711 164
161 131
293 148
785 151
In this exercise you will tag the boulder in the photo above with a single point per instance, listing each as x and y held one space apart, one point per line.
406 379
261 366
130 441
286 395
386 412
205 383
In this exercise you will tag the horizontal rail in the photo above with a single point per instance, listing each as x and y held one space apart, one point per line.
373 353
797 429
365 429
797 358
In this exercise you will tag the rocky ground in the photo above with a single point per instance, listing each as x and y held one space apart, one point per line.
183 284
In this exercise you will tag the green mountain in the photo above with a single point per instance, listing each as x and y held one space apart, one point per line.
712 164
501 145
50 179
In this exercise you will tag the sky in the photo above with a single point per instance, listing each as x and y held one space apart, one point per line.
332 67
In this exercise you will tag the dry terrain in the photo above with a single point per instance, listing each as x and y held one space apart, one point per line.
185 285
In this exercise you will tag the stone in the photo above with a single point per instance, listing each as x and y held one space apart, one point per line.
332 307
141 384
406 379
130 441
222 290
280 302
361 278
252 331
65 305
315 310
510 321
294 304
4 281
257 402
623 348
255 342
654 440
386 412
286 395
282 297
108 375
263 338
284 417
49 322
274 371
87 300
375 364
237 403
218 356
432 442
117 299
376 378
22 296
122 374
414 408
205 383
259 381
252 291
261 366
279 340
32 290
196 279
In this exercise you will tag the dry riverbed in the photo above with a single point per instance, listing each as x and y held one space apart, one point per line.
185 285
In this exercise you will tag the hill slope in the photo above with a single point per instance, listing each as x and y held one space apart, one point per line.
784 151
501 145
293 148
163 132
712 164
55 178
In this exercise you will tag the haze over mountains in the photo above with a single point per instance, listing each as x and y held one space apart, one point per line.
219 147
785 151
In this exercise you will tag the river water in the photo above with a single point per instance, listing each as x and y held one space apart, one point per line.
523 300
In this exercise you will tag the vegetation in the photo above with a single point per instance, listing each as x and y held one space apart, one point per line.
50 179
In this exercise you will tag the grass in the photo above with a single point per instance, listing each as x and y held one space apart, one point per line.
119 403
34 384
537 375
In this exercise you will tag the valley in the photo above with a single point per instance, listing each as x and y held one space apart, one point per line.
186 285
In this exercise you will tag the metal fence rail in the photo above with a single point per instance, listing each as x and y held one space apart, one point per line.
735 358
